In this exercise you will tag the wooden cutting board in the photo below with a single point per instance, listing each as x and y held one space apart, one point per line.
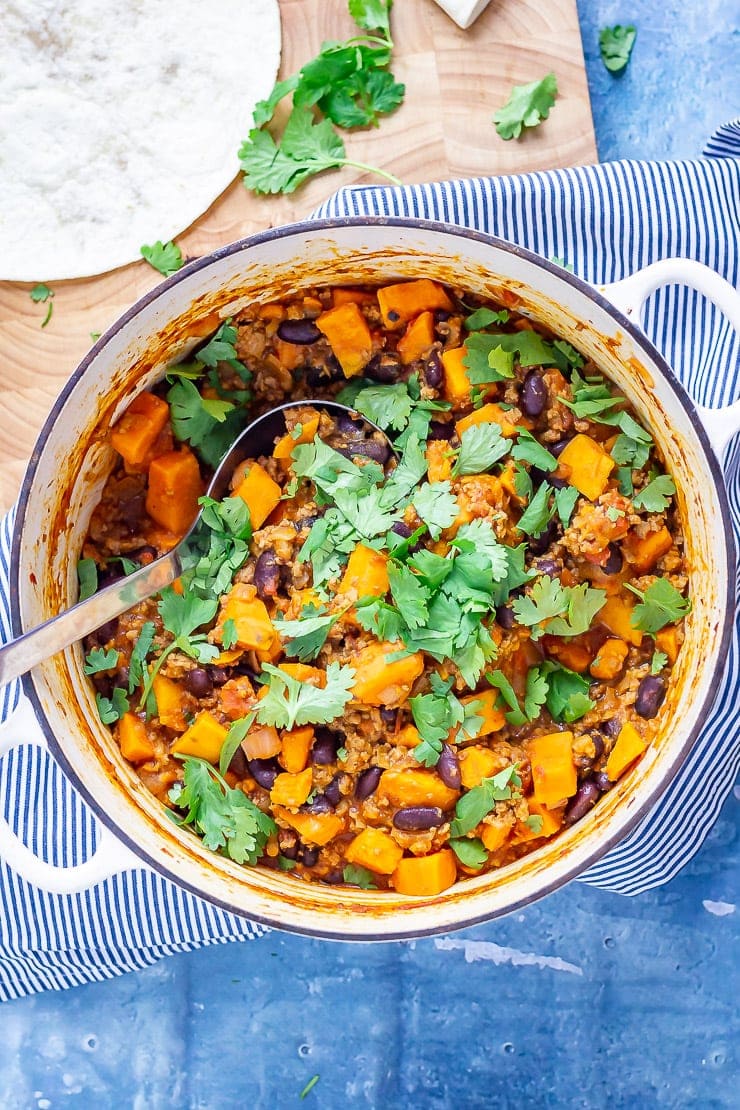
455 80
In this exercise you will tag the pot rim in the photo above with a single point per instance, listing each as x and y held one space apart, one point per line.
603 846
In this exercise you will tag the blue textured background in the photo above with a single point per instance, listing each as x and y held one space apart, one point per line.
585 1000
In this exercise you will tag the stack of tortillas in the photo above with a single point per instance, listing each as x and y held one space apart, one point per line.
120 124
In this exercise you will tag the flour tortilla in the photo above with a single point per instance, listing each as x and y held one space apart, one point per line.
120 123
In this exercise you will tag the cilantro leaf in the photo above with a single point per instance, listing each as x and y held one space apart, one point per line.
99 660
41 293
615 46
141 649
565 502
431 568
470 851
436 714
388 406
584 603
87 577
225 818
436 505
478 802
546 599
570 356
304 638
535 822
358 876
514 714
112 709
409 594
658 662
365 95
481 446
164 257
478 537
237 731
660 604
221 347
528 449
484 317
372 15
181 615
656 496
209 426
567 692
527 106
484 362
289 703
538 513
264 109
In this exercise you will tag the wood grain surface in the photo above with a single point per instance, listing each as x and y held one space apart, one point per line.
455 80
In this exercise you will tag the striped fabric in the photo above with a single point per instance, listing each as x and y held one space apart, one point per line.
606 221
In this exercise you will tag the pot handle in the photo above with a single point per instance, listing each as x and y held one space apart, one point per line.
630 294
110 857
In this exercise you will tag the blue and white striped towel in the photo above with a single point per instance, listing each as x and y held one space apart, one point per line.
606 221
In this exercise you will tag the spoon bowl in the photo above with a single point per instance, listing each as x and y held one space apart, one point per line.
258 438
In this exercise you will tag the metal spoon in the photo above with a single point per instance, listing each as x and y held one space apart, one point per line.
59 632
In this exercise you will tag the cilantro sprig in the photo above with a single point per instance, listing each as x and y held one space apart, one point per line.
556 609
289 703
164 257
615 46
42 294
304 638
660 604
527 106
478 802
436 714
225 818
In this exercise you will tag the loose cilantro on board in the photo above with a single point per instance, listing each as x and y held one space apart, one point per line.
527 106
615 46
42 294
164 257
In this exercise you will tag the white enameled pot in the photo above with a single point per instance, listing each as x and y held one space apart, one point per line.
72 459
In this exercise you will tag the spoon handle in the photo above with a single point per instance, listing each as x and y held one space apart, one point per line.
54 635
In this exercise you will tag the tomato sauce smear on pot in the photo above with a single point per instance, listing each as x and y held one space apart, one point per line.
388 669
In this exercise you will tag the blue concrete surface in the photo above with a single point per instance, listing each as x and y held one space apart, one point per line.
584 1000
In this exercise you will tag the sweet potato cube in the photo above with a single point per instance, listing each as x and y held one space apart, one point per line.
417 339
254 629
610 660
295 747
292 790
616 615
416 788
169 698
376 850
476 764
553 770
644 552
456 385
382 681
425 876
342 295
302 672
134 435
495 836
439 460
551 822
403 301
629 746
493 717
260 492
173 488
406 737
133 739
667 641
349 337
487 414
284 446
313 828
204 738
586 465
366 573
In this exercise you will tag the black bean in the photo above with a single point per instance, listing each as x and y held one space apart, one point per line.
132 510
598 743
120 679
402 529
556 483
369 449
538 545
418 817
367 782
331 371
111 574
350 427
289 843
650 695
264 772
505 616
332 791
614 563
199 682
267 575
611 728
586 797
384 367
448 767
334 877
145 555
103 684
307 522
324 750
602 781
320 804
219 675
533 397
309 857
557 449
433 372
389 716
441 429
239 763
106 631
548 566
441 314
302 332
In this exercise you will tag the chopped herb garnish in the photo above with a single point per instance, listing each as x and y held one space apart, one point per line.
42 294
470 851
478 802
309 1086
615 46
436 714
658 662
289 703
556 609
164 257
656 496
99 660
660 604
87 577
304 638
112 709
481 446
225 818
528 449
359 876
527 106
